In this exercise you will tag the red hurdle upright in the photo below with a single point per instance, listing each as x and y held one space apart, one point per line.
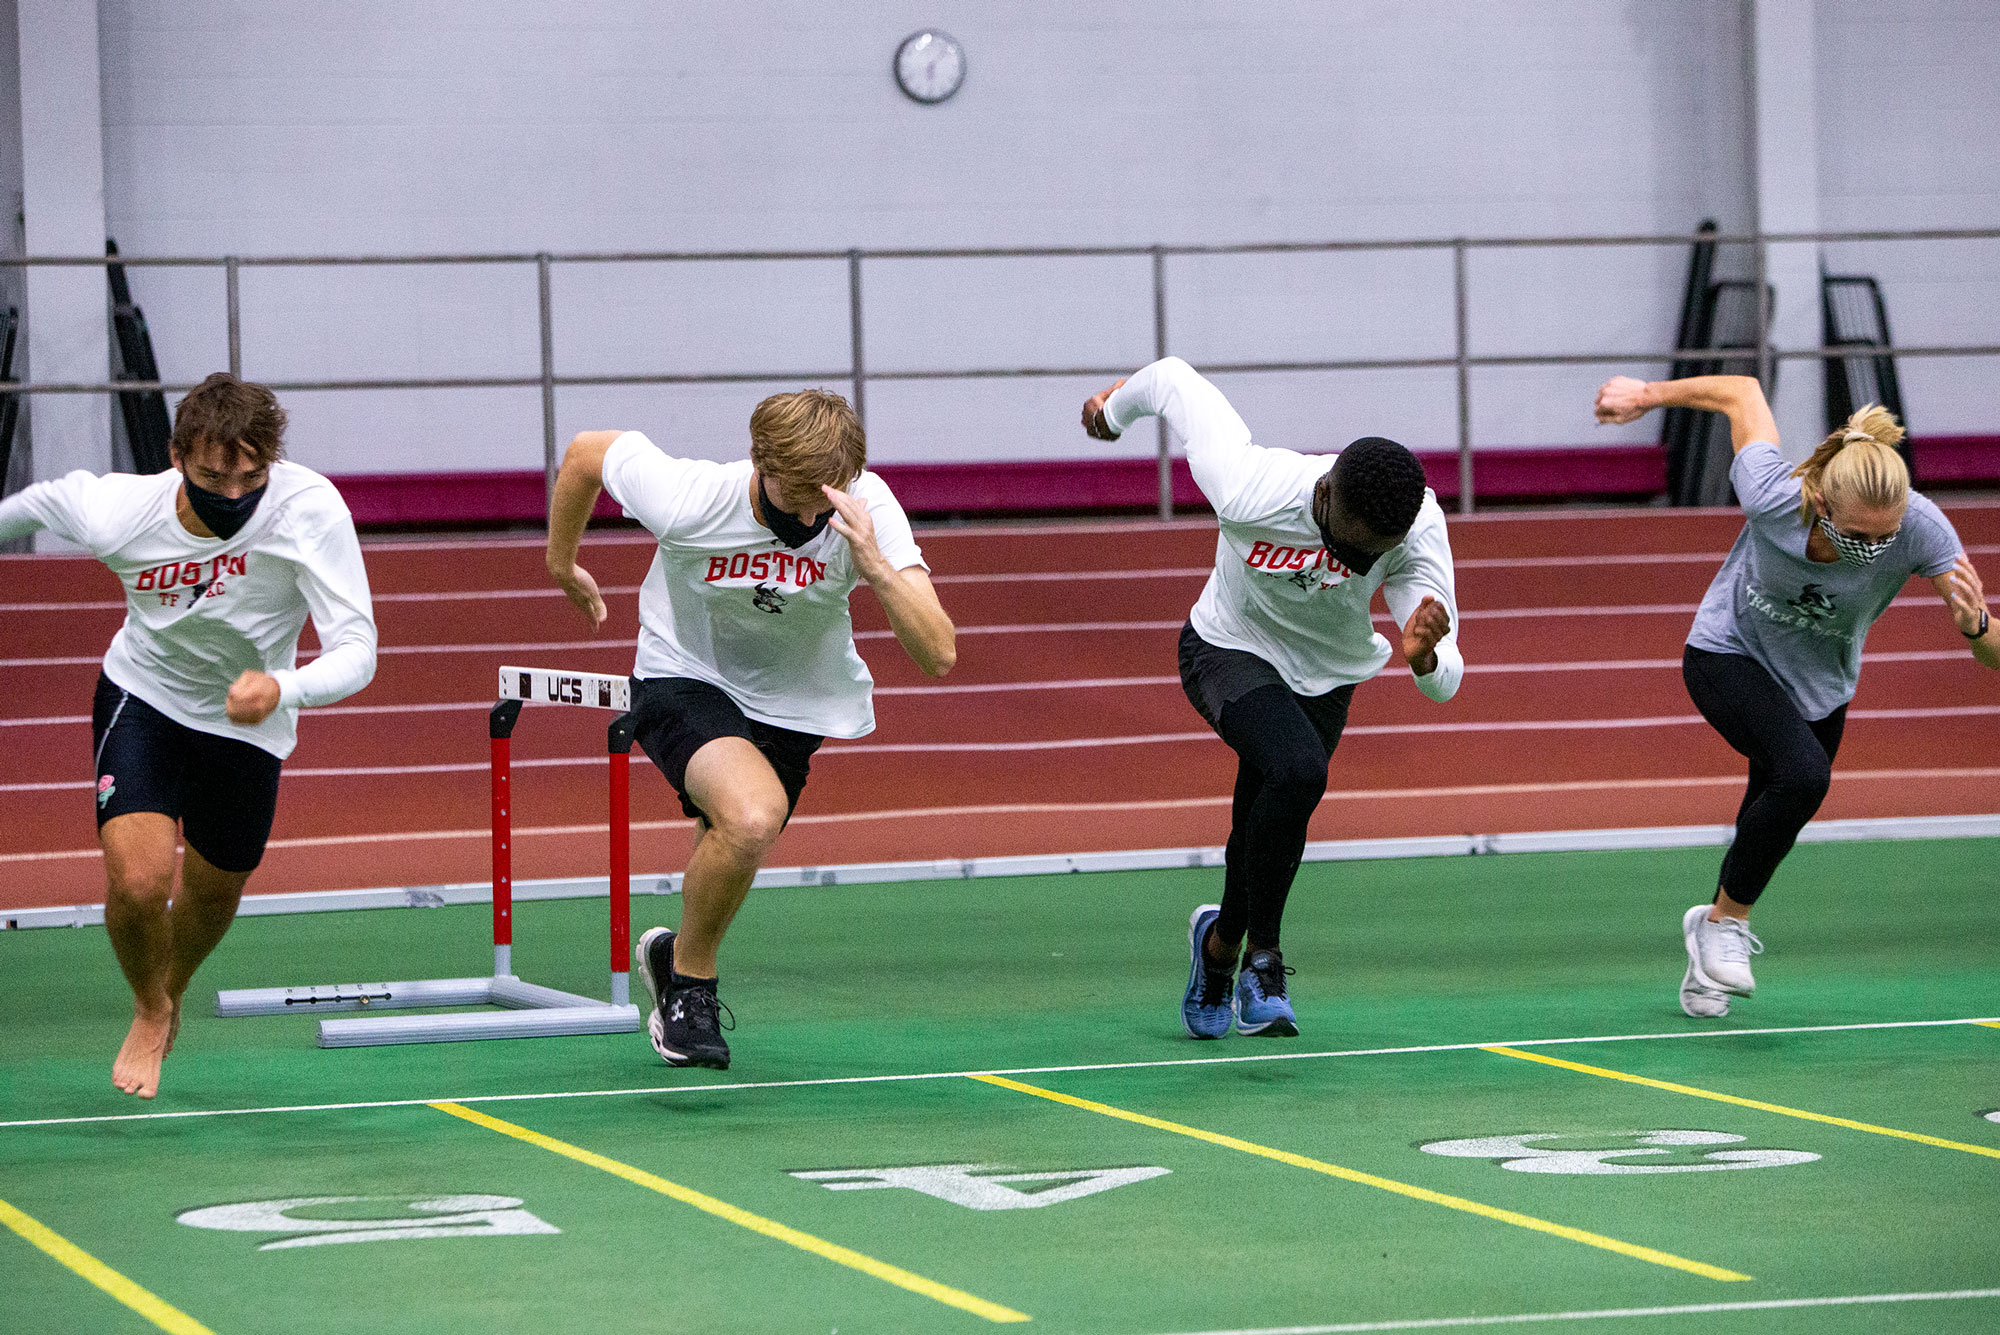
532 1010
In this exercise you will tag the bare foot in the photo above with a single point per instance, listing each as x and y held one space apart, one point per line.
137 1070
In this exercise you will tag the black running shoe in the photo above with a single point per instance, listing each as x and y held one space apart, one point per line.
687 1020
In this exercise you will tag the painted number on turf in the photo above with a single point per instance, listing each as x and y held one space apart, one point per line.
371 1219
980 1186
1533 1154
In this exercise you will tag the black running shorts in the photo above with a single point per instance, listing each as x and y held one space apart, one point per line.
1213 677
674 717
224 792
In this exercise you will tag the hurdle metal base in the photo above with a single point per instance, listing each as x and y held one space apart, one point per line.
533 1011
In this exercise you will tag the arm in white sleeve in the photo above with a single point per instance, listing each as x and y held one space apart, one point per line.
1219 452
335 584
1425 571
18 517
58 505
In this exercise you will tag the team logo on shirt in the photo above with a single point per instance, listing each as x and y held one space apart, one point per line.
1313 567
768 599
778 567
1812 602
187 579
106 786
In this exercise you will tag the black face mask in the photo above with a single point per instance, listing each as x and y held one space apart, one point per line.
224 515
1358 559
790 530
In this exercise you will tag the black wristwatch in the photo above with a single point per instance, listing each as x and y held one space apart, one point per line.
1979 634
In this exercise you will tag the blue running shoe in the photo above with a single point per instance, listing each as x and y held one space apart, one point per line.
1205 1009
1261 1004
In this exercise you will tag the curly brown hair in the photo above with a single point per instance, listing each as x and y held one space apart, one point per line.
228 411
810 437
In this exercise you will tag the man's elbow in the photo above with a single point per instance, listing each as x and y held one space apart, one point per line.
585 456
938 663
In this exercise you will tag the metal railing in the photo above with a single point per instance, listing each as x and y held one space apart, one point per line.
1462 359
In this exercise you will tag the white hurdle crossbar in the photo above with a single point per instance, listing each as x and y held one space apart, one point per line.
532 1011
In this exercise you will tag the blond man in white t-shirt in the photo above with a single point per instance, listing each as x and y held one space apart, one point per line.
746 655
223 557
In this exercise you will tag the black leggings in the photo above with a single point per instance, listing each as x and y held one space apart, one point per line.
1282 753
1791 761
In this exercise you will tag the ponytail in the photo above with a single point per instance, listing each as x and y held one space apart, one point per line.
1859 463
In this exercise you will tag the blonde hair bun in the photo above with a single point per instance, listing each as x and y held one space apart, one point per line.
1858 464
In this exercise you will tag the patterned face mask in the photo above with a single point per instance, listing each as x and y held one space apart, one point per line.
1854 551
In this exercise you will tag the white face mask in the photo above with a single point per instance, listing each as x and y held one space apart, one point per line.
1855 551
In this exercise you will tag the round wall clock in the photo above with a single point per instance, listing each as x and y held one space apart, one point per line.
930 65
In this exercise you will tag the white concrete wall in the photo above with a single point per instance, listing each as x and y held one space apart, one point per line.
288 127
1910 137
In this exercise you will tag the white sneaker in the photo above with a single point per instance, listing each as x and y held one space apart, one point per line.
1704 1003
1719 952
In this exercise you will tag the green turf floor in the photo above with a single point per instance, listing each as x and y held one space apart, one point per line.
936 978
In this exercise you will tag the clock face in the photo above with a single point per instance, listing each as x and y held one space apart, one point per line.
930 65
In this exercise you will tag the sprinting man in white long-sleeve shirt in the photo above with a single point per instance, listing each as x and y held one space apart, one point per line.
1277 643
222 558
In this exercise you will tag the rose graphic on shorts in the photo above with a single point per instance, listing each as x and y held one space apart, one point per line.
106 786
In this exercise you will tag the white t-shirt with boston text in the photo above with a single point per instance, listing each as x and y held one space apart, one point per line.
725 602
199 612
1275 591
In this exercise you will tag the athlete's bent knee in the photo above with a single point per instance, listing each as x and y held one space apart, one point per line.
1805 785
1297 784
141 882
750 826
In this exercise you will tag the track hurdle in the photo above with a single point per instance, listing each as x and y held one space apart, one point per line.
532 1011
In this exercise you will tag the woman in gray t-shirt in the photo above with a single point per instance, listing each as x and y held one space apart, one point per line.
1775 652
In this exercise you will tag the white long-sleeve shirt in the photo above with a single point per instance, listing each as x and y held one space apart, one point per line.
199 612
1275 592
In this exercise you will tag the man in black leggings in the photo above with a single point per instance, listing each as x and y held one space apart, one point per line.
1277 643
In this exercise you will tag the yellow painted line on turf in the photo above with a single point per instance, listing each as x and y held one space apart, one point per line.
1740 1102
770 1228
1990 1024
155 1309
1584 1236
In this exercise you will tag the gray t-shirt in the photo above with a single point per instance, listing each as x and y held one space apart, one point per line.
1802 620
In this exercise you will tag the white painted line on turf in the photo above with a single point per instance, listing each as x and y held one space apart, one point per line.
1612 1313
826 1081
1029 864
1485 843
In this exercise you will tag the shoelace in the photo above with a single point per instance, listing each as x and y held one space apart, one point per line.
1736 943
1271 974
701 1008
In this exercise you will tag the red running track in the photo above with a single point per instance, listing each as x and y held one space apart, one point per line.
1063 729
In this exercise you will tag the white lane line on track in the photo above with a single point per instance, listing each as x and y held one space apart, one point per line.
824 1081
1612 1313
1086 743
1016 577
1077 684
1080 808
1025 628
